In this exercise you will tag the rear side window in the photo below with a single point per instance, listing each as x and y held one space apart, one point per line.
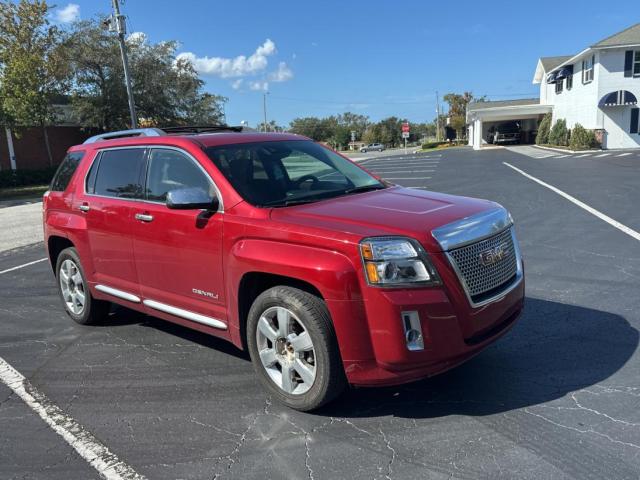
119 173
65 171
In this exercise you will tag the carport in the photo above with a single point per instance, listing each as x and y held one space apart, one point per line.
481 116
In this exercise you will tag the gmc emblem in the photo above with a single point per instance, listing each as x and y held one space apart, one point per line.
492 255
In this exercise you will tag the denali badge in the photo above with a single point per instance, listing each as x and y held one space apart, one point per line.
197 291
493 255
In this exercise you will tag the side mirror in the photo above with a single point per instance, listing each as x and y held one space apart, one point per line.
191 199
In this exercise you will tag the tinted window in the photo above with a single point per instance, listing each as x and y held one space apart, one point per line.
65 171
282 173
171 170
119 173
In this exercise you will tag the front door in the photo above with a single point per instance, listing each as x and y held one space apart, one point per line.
179 252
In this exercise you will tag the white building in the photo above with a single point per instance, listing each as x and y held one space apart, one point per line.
597 88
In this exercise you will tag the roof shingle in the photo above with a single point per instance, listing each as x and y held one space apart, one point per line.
629 36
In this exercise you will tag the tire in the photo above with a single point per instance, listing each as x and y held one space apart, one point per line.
311 362
72 287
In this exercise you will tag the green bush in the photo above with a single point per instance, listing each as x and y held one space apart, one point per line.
582 139
543 130
559 134
23 178
430 145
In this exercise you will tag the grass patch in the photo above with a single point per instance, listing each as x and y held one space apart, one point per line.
14 193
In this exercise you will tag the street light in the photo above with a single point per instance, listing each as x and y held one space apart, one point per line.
264 109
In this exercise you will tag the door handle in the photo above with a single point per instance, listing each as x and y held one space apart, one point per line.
144 217
84 207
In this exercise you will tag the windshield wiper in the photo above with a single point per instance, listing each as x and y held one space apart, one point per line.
364 188
289 203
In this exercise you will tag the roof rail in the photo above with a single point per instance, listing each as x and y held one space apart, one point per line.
137 132
195 129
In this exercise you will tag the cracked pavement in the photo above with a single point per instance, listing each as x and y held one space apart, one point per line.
557 398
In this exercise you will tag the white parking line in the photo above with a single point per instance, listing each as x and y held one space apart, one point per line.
614 223
22 266
624 154
562 156
583 155
83 442
406 178
400 170
603 155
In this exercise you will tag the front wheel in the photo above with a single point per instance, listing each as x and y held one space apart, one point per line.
293 348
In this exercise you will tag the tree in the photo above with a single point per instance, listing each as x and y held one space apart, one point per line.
272 126
581 138
319 129
458 110
559 134
542 138
167 91
31 69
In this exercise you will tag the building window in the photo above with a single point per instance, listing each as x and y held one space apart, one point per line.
587 69
569 82
635 113
559 84
636 63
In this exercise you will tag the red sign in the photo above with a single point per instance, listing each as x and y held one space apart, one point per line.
405 127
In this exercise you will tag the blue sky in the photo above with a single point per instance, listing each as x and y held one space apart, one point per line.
370 57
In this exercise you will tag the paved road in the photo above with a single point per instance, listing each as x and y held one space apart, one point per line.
20 223
558 397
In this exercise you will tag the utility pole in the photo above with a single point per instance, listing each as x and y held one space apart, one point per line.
264 109
438 117
118 25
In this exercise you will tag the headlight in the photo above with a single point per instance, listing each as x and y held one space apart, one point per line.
393 261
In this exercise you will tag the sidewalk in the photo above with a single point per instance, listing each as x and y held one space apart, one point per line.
20 223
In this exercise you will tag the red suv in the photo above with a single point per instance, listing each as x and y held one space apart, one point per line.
328 275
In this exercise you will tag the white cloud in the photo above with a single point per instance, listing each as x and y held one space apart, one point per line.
259 85
239 66
237 84
68 14
283 73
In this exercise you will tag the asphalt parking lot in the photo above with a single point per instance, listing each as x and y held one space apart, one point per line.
559 397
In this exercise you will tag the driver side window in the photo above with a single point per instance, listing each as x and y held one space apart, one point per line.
171 170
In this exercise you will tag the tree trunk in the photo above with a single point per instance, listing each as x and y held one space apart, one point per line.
46 143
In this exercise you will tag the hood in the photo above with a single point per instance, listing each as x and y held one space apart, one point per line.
392 211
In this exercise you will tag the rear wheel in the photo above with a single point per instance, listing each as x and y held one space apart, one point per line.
74 290
293 348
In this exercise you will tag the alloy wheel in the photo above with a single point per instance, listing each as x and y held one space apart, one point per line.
286 350
72 287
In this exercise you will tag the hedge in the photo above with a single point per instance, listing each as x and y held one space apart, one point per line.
430 145
24 178
582 139
543 130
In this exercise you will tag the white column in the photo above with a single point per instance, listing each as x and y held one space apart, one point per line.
477 134
12 153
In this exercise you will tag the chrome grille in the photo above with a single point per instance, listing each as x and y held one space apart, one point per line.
482 278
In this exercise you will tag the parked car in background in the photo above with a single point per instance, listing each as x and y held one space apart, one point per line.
506 132
325 274
372 147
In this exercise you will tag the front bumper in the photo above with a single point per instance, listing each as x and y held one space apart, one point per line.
453 333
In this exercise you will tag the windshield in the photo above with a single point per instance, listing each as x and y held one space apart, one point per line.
278 174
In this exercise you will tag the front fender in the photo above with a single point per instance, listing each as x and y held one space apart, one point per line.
331 273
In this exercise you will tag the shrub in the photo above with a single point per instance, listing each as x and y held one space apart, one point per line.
582 139
430 145
23 178
543 130
559 134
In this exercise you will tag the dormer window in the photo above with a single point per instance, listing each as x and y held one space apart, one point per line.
587 69
559 85
636 63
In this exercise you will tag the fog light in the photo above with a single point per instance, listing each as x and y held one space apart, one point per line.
412 330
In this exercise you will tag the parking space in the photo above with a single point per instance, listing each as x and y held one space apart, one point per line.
558 397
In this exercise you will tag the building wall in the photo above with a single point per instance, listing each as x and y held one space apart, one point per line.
30 150
578 105
616 120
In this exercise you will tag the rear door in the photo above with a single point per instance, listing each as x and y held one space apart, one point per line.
179 252
112 187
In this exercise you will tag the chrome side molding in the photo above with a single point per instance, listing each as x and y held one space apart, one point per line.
118 293
472 229
179 312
